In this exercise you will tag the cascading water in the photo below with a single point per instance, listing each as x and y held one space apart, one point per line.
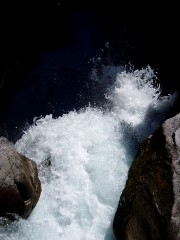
89 154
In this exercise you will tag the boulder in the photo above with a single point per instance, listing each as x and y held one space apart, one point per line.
20 187
149 206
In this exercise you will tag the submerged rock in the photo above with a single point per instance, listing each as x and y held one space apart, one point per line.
149 206
20 187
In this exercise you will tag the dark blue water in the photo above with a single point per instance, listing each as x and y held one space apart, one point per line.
59 44
59 80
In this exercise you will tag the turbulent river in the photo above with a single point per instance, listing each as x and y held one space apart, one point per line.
89 152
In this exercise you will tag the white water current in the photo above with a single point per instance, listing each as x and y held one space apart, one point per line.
90 153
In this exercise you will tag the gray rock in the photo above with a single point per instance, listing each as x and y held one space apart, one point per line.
20 187
149 206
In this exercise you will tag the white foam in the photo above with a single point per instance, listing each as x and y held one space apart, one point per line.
90 151
136 99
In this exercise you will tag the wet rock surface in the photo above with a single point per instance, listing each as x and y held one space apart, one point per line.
20 187
149 204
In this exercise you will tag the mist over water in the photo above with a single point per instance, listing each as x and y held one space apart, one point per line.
90 152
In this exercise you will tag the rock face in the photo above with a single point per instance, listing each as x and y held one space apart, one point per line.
20 186
149 206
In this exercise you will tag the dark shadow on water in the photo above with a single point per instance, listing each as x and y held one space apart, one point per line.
109 233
